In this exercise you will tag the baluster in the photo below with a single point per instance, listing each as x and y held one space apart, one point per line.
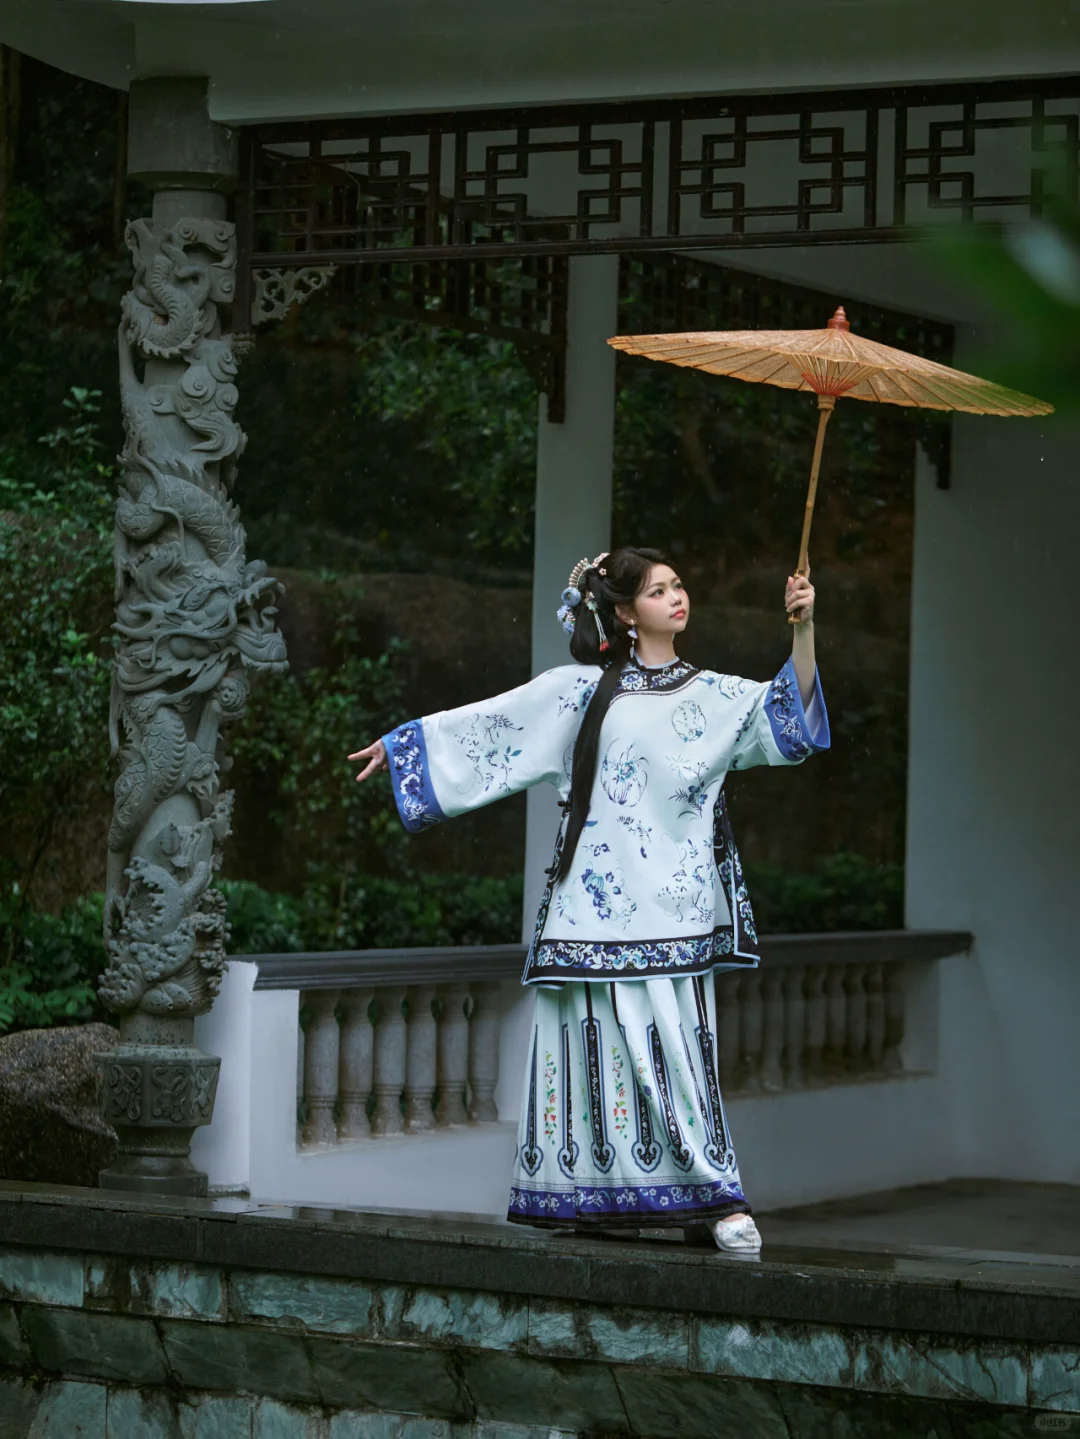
875 1016
892 1059
750 1030
772 1075
855 1037
321 1067
388 1066
484 1052
815 1022
357 1050
453 1055
794 1025
727 1028
835 1020
420 1059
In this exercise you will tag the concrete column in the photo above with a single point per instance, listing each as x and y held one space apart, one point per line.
573 506
189 633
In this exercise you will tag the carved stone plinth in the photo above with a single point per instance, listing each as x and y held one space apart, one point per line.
156 1096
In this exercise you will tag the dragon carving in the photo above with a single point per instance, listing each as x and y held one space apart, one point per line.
193 617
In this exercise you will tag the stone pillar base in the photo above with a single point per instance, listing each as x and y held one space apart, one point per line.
156 1096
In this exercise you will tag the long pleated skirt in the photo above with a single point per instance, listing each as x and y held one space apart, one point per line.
622 1121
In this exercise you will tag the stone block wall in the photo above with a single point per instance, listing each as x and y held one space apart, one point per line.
115 1346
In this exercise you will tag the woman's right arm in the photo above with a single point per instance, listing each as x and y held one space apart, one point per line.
457 760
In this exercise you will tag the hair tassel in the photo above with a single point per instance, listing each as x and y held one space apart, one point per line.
590 604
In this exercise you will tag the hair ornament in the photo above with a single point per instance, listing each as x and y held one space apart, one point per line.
583 567
590 604
571 597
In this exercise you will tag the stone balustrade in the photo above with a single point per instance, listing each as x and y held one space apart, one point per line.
396 1059
398 1042
792 1026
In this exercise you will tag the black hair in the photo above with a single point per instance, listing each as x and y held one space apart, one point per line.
620 579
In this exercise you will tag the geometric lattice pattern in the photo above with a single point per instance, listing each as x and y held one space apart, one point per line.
711 172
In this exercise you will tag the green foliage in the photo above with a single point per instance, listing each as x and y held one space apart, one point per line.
55 963
55 582
418 442
1029 274
375 913
293 746
843 891
58 959
475 409
65 263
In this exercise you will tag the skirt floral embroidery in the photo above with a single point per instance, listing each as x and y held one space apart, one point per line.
622 1120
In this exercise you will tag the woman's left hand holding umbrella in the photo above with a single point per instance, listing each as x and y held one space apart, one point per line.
799 603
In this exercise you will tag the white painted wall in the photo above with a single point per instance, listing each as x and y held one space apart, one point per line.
993 819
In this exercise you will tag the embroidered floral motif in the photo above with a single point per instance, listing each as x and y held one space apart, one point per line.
605 891
624 773
688 721
693 794
783 705
732 686
691 889
729 866
571 957
489 757
620 1118
636 676
550 1116
624 1199
641 832
408 763
579 696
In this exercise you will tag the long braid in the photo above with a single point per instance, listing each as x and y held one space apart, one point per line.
600 637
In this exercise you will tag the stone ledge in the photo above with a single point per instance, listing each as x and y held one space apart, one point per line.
956 1295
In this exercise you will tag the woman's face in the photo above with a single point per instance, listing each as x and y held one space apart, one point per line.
662 607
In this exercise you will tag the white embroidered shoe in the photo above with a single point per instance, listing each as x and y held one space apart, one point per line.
738 1235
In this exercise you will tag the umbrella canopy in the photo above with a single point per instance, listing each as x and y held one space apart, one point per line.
833 361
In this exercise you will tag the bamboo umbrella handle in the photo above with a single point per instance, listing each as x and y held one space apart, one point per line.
826 405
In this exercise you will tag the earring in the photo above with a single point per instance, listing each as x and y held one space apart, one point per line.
632 632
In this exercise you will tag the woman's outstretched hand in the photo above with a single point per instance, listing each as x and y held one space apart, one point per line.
375 754
799 598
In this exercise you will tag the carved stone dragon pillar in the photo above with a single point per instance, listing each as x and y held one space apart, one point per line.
193 618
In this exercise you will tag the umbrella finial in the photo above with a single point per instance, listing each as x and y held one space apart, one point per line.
840 320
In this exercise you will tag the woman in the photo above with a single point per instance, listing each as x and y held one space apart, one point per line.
622 1122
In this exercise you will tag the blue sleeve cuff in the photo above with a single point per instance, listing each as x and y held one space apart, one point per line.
793 733
410 777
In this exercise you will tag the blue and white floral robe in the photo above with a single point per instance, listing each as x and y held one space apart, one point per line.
622 1119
